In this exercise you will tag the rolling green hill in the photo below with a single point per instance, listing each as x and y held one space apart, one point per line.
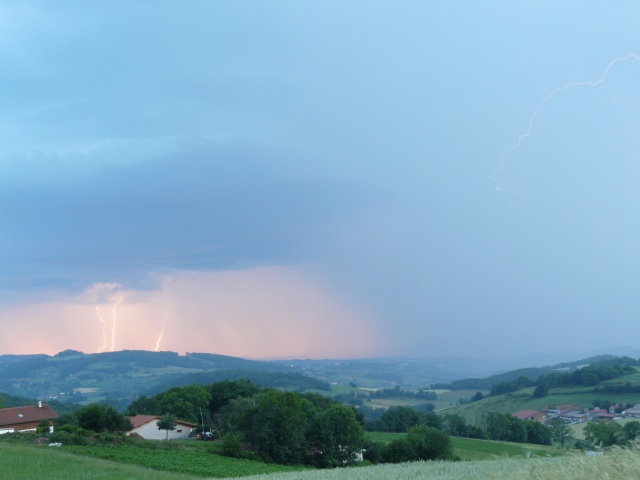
118 377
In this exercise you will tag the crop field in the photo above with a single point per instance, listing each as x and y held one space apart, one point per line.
618 464
27 463
191 462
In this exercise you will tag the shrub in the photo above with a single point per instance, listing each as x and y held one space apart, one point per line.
232 446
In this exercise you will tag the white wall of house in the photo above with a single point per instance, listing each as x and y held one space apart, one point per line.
150 431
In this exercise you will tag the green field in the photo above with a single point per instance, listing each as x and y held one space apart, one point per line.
50 463
617 464
198 462
523 462
474 449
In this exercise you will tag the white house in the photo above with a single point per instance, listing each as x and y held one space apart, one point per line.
146 426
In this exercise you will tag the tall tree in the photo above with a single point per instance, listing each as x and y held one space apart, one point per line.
167 423
561 431
335 437
420 443
278 426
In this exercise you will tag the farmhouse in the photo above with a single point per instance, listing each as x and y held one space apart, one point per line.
575 416
25 419
530 415
632 412
146 426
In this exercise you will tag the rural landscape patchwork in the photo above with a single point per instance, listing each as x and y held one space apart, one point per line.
319 239
140 414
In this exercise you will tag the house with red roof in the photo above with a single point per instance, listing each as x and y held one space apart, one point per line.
536 415
25 419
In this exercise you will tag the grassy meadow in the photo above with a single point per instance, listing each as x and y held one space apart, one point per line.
482 460
617 464
21 462
474 449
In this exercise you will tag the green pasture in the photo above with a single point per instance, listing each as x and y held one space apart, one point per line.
20 462
474 449
179 460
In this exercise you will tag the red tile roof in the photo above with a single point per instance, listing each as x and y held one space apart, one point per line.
524 414
31 413
140 420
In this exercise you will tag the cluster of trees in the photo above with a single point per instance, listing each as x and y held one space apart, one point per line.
590 375
501 388
279 426
494 426
96 418
611 433
542 375
401 419
626 387
498 426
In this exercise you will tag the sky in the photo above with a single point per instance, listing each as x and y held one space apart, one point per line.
319 179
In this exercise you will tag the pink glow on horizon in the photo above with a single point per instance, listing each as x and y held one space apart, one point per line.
258 313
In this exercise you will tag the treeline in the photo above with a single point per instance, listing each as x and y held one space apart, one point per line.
586 376
493 426
288 427
534 374
626 387
283 427
284 380
353 398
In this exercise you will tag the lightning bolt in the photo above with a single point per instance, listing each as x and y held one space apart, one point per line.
113 327
104 330
166 314
522 137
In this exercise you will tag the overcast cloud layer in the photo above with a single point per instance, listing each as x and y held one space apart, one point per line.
325 179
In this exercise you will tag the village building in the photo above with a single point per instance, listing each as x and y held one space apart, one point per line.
632 412
575 416
146 426
26 419
536 415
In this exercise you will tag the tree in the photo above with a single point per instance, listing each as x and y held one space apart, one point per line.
400 419
541 390
278 426
455 425
185 403
561 431
632 429
605 434
100 418
505 427
335 437
420 443
221 393
43 427
167 423
538 433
